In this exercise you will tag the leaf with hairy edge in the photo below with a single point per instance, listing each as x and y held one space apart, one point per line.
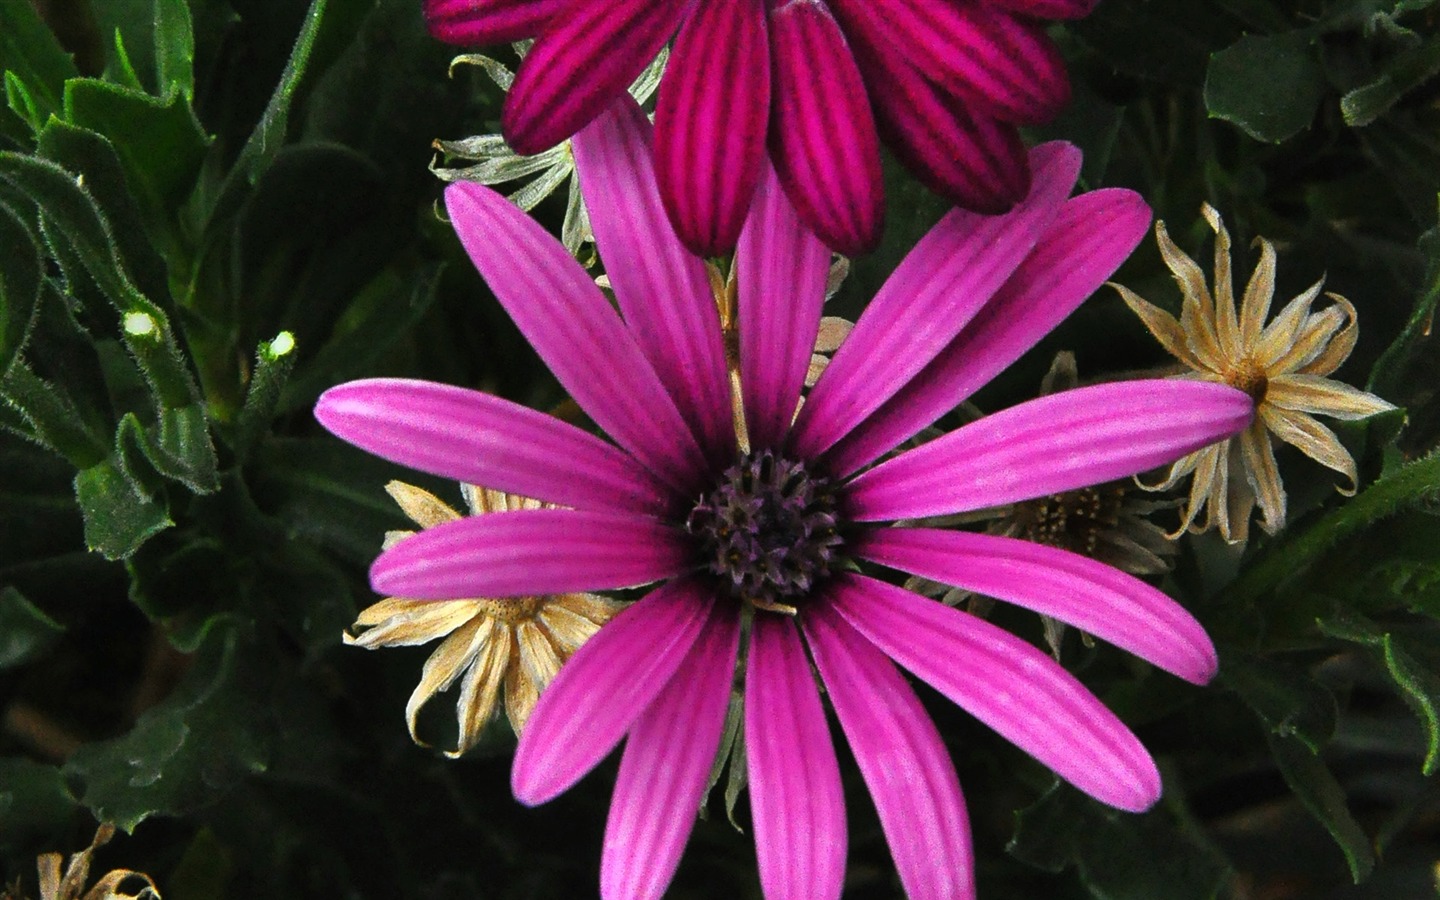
189 750
1315 786
29 49
120 514
174 49
1390 368
1268 85
20 273
1417 683
1401 74
1287 700
25 631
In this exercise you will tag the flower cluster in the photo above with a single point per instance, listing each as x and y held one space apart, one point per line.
787 524
805 83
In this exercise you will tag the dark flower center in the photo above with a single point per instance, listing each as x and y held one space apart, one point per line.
1249 376
1074 520
768 531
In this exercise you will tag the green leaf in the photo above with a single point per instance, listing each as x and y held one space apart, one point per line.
20 273
22 102
1417 683
1390 368
1403 73
178 446
25 632
1283 560
188 751
174 49
29 49
52 417
1315 786
160 142
1120 856
1287 700
1407 150
1268 85
119 514
34 801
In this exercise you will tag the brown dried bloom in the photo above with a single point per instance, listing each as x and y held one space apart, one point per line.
512 644
1281 365
71 884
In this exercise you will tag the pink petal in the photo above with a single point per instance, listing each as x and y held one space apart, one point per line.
901 758
1009 685
575 330
525 552
710 122
796 801
1049 9
1006 68
604 688
587 57
477 438
1057 443
781 269
662 289
970 158
937 288
1088 240
1096 598
822 135
488 21
667 759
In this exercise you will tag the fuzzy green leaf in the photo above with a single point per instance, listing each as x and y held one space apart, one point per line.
189 750
20 272
1400 75
120 514
1268 85
1390 368
174 49
1287 700
29 49
1315 786
25 631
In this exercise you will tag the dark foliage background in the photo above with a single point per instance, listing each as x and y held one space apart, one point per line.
180 545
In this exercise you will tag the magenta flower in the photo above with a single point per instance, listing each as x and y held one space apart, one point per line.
768 523
947 82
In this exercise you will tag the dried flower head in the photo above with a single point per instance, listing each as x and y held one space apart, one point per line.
119 884
1282 366
512 645
493 162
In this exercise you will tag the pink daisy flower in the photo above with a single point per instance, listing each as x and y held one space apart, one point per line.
946 82
774 520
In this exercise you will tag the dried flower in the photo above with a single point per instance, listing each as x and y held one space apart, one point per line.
948 83
776 534
1282 366
515 645
495 163
71 884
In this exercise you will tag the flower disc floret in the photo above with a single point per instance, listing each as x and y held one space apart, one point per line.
768 531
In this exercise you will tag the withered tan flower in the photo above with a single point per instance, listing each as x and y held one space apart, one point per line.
1282 365
119 884
514 645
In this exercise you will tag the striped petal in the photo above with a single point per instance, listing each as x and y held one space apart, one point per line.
1049 9
1096 598
577 333
480 439
1011 686
662 776
602 690
781 270
488 21
661 287
901 757
1090 237
822 135
939 286
1053 444
585 59
1005 67
710 122
970 158
528 552
796 800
